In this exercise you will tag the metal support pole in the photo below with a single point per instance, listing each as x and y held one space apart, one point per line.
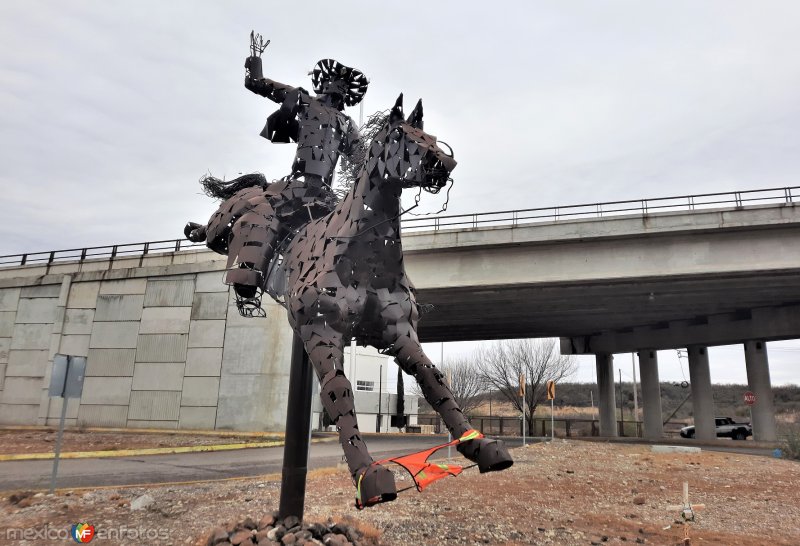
298 433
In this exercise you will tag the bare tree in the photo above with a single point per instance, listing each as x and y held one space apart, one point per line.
501 365
464 380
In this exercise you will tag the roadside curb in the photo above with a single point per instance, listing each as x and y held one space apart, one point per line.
176 432
104 454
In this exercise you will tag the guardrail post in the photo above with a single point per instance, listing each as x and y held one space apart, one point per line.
113 252
475 221
146 249
24 259
177 245
83 254
691 202
644 207
52 257
599 210
788 192
738 198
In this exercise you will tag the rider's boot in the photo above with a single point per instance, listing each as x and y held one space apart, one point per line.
255 247
245 280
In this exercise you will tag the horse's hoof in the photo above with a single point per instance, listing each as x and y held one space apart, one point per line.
375 485
491 455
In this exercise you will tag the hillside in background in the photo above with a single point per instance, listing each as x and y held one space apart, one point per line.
727 398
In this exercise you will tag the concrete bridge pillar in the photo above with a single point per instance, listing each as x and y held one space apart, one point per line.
702 398
763 411
651 394
605 386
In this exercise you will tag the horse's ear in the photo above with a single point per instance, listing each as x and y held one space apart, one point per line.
415 118
397 111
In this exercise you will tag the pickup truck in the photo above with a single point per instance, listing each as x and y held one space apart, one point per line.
726 428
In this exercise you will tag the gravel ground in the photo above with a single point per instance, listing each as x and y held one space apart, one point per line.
43 441
564 493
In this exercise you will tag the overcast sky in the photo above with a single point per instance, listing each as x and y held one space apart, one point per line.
112 110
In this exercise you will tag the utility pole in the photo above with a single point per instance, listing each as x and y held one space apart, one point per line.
353 361
450 386
635 397
380 396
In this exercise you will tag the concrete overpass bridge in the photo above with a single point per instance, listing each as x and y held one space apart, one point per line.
629 276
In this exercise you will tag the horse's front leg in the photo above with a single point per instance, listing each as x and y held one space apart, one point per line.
323 344
488 453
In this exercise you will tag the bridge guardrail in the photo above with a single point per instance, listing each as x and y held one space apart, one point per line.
737 199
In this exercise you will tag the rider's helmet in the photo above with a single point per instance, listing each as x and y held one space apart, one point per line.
332 77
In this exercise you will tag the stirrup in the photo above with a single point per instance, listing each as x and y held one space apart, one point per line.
250 307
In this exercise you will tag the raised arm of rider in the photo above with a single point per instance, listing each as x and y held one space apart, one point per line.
255 82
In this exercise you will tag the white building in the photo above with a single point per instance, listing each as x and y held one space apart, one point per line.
375 404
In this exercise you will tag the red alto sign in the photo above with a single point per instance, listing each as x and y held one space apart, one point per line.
749 398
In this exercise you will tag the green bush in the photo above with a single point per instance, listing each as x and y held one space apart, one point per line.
791 445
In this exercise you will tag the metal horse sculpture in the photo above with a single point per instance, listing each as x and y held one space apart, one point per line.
346 279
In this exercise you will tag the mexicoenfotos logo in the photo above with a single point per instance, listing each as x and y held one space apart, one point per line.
82 532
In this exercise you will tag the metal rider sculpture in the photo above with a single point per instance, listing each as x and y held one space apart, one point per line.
322 132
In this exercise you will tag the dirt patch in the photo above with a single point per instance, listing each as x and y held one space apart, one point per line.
564 493
43 441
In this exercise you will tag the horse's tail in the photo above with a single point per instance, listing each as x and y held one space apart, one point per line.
221 189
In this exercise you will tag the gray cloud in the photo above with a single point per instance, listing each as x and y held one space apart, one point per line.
112 110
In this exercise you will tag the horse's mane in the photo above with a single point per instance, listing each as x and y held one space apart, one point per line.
220 189
350 166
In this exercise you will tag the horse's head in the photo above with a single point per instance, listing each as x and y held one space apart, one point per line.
411 155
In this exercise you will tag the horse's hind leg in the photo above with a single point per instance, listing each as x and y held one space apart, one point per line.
324 347
488 453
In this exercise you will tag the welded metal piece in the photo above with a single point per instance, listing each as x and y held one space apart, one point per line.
346 278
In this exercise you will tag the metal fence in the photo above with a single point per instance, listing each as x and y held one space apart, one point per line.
681 203
512 426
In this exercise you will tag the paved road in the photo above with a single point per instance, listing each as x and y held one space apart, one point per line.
190 466
222 464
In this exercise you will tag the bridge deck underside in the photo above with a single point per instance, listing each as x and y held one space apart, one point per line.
563 310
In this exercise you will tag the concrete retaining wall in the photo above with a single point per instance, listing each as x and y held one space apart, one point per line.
164 343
